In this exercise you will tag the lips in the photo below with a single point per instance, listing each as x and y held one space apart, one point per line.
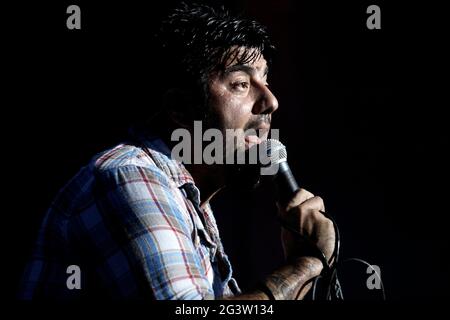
251 140
256 131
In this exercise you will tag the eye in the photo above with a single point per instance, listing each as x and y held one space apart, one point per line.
240 85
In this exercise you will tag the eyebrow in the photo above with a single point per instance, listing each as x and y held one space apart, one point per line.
244 68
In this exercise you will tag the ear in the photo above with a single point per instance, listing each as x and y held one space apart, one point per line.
182 106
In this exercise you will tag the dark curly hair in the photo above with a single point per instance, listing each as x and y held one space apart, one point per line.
199 38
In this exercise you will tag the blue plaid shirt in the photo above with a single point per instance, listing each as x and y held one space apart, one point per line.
131 221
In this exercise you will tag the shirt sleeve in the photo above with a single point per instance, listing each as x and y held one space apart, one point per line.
155 238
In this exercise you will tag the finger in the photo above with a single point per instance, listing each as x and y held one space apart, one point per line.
299 197
314 203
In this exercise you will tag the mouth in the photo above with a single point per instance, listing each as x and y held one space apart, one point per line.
251 140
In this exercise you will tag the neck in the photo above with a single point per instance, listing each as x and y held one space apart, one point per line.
209 179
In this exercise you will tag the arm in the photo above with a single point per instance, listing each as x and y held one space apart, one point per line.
151 235
288 282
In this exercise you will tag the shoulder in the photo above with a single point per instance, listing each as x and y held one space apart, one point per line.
128 164
122 155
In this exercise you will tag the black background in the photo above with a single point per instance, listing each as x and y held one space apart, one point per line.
359 113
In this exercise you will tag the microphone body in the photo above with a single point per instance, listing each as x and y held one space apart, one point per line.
275 152
285 182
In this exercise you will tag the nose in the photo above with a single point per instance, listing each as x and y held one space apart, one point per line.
266 102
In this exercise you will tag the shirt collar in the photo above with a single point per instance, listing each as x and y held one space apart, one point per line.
161 155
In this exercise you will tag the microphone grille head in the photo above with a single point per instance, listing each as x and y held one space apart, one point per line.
274 150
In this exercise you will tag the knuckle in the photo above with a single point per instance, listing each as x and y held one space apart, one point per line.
319 199
309 194
329 225
303 194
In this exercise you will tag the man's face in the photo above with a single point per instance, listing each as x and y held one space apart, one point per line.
239 98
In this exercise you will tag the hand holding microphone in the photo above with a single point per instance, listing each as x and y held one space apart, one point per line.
298 209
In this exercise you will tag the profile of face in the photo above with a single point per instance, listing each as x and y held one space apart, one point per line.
239 98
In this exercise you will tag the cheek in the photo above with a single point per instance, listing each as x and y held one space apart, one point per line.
234 111
238 113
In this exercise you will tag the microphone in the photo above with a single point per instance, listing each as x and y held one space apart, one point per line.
275 152
275 155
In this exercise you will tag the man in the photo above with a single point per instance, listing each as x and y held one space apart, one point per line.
136 222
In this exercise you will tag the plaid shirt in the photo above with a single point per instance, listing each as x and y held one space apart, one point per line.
132 222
